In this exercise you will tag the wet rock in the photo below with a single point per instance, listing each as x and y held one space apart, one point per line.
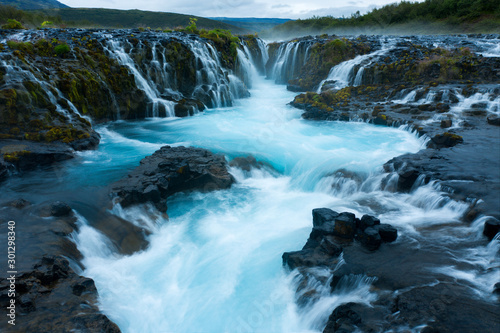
446 123
4 170
56 299
387 232
445 140
248 163
294 88
345 225
19 203
171 170
84 285
25 155
496 288
367 221
59 209
185 107
491 228
88 143
370 238
324 219
495 121
343 319
406 179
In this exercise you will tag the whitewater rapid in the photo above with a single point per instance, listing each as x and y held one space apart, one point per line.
215 265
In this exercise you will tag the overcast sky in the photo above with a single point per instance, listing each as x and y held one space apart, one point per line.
240 8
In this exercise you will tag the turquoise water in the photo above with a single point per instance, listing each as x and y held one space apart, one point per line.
215 265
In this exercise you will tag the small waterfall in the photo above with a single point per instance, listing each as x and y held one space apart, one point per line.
263 51
350 72
289 59
144 82
16 75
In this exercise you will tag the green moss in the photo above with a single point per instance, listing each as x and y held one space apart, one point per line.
25 47
14 156
62 49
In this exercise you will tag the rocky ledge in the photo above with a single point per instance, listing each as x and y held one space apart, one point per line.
171 170
50 293
330 229
407 296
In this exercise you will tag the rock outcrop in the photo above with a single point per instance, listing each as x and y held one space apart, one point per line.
171 170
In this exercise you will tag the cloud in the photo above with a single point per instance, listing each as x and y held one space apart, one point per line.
281 6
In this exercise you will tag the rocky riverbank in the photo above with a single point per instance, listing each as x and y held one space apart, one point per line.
55 84
48 274
451 96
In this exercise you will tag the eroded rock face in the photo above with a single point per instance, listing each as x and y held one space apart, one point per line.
171 170
40 292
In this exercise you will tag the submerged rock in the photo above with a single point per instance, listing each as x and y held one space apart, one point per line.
171 170
491 228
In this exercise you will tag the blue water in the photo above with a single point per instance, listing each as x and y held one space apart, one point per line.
215 265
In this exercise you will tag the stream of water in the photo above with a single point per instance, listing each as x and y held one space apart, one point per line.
215 265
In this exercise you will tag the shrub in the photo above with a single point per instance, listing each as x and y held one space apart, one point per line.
12 24
61 49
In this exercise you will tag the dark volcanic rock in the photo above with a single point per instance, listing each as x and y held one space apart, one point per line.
343 319
26 155
345 225
59 208
370 238
324 219
445 140
367 221
494 121
491 228
171 170
41 292
387 232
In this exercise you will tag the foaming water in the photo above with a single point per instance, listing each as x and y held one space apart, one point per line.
215 265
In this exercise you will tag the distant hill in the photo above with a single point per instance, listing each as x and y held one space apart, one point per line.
33 4
251 23
428 17
114 18
109 18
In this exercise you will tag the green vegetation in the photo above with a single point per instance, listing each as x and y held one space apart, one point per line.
113 18
222 39
430 16
107 18
28 19
12 24
61 49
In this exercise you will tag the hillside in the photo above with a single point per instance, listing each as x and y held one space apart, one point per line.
253 24
113 18
109 18
33 4
428 17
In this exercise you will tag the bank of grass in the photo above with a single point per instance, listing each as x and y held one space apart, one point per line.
428 17
108 18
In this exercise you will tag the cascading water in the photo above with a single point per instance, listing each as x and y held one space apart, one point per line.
15 74
215 265
290 56
143 83
350 72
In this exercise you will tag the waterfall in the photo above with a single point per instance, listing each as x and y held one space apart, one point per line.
350 72
16 75
144 82
288 60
